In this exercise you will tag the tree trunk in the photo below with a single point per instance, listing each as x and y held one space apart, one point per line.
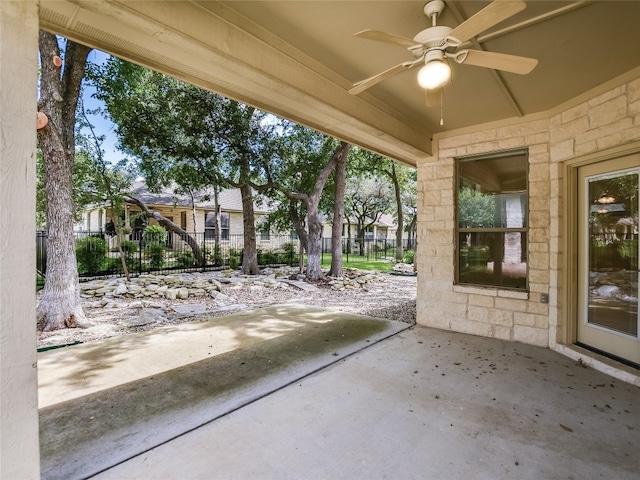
399 231
314 247
60 305
217 254
338 217
314 250
360 237
118 229
298 225
250 252
165 222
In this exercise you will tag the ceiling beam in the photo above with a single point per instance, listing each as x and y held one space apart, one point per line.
217 54
495 75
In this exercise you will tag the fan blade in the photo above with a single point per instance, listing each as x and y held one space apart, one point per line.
498 61
371 81
386 38
486 18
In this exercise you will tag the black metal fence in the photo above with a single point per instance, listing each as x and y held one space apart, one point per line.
97 253
369 248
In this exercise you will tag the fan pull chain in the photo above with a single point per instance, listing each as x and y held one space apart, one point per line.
441 106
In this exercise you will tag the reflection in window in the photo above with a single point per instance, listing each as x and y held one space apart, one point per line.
210 225
613 251
492 220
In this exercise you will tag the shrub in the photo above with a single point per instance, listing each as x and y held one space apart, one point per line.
154 234
185 259
154 252
129 247
217 255
234 262
408 256
90 252
289 249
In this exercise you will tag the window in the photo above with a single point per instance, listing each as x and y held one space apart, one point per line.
183 220
264 227
210 225
492 220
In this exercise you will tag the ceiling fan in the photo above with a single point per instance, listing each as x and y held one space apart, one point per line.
433 46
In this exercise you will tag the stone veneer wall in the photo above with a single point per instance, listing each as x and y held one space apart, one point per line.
606 120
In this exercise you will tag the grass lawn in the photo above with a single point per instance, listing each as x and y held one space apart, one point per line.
356 261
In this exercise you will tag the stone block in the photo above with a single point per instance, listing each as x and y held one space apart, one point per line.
171 293
530 320
606 96
569 130
511 304
537 307
478 314
539 260
539 172
481 301
531 335
513 294
501 317
562 150
473 328
502 333
633 90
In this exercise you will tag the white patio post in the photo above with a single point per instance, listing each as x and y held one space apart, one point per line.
19 449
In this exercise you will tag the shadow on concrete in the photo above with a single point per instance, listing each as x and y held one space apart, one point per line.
116 409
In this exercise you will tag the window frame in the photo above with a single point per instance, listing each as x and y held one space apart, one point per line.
501 230
209 232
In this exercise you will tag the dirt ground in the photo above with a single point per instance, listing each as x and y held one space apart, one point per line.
390 296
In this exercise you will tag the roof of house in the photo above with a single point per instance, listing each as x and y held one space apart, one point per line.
230 199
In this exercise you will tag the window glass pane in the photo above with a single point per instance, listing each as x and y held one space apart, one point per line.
210 220
493 258
224 220
492 195
492 192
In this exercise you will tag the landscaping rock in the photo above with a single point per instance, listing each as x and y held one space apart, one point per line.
190 309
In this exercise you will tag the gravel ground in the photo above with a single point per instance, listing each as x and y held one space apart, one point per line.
391 296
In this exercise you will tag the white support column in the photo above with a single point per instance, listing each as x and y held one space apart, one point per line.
19 444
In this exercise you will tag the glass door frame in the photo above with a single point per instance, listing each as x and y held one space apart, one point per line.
568 295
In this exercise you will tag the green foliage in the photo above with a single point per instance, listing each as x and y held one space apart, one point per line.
154 234
408 256
475 209
154 252
234 262
90 254
290 249
360 262
185 259
129 247
217 255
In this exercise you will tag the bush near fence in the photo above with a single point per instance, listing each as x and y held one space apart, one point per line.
97 253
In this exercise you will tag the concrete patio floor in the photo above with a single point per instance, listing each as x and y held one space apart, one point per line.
393 403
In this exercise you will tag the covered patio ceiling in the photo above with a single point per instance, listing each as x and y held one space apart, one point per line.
299 59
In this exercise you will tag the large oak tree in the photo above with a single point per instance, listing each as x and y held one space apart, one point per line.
60 84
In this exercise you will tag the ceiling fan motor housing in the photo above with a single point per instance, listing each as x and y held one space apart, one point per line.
432 37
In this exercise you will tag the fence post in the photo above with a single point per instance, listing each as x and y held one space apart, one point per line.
140 254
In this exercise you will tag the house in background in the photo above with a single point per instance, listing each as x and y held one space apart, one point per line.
381 232
197 215
194 215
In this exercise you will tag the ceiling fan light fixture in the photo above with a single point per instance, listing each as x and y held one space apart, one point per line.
434 74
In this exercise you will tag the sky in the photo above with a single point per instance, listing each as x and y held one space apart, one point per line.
101 125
